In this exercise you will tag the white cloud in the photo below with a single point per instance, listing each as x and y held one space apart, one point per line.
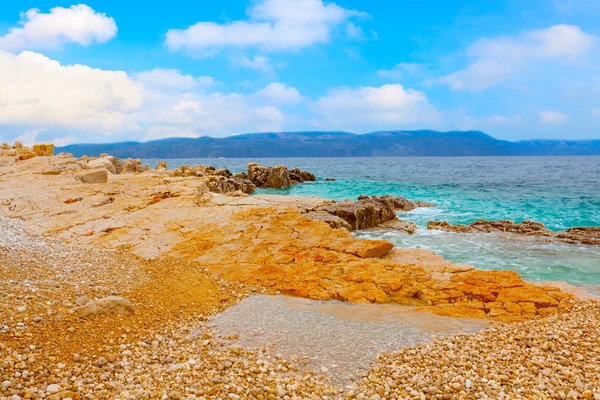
595 111
400 69
37 91
385 107
77 24
272 24
498 59
279 93
28 137
354 31
258 63
166 78
549 117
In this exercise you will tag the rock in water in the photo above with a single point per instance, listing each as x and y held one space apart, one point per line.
98 175
276 177
371 211
107 305
576 235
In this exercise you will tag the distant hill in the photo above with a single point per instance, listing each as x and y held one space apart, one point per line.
339 144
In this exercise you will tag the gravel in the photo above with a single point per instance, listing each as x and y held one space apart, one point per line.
337 339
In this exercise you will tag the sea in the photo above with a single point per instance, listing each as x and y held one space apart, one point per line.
560 192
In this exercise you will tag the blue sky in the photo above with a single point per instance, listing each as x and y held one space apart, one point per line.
104 71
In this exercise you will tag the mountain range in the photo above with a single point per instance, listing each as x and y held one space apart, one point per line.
339 144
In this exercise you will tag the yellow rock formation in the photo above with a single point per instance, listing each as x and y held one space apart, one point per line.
259 240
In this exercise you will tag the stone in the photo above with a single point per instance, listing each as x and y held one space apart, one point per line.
161 166
371 211
102 163
108 305
130 166
82 300
53 388
93 176
276 177
43 150
589 235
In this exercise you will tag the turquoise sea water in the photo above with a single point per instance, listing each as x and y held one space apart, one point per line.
560 192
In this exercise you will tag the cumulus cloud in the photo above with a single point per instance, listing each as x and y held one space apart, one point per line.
75 102
271 24
400 69
279 93
550 117
257 63
388 106
38 91
497 59
166 78
77 24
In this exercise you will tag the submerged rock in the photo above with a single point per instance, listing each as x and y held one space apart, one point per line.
576 235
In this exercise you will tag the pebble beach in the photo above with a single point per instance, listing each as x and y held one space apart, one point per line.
107 293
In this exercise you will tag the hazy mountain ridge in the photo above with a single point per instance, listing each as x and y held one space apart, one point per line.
339 144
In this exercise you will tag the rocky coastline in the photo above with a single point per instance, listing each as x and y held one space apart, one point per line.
586 235
120 263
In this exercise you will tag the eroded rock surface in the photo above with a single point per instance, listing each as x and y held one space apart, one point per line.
265 241
577 235
369 212
276 177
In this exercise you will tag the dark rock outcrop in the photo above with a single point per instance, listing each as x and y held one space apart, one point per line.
577 235
371 211
277 177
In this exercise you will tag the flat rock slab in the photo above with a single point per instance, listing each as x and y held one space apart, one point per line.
339 340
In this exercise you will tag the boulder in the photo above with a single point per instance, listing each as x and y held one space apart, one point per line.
371 211
577 235
98 175
129 166
332 220
107 305
161 166
276 177
43 150
102 163
225 184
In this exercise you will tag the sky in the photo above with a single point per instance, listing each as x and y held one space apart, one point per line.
108 70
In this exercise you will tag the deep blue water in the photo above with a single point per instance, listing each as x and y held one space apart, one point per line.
560 192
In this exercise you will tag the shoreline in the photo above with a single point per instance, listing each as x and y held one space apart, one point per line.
182 256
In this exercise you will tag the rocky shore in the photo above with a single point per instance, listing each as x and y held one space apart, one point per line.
110 273
587 235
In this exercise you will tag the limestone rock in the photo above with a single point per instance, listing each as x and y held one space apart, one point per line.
107 305
371 211
276 177
102 163
576 235
44 150
332 220
225 184
130 166
98 175
161 166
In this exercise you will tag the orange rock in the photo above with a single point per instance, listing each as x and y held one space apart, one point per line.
527 294
528 307
513 308
545 311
